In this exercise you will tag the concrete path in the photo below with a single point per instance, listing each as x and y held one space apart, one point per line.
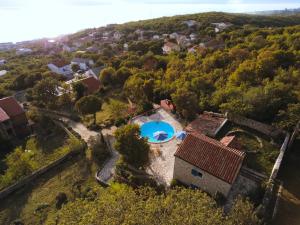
106 173
107 170
79 128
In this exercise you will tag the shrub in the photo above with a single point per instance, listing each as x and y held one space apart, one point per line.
61 199
100 152
119 122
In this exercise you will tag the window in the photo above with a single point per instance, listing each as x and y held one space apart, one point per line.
193 186
196 173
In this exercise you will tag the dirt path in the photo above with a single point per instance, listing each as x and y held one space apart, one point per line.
289 208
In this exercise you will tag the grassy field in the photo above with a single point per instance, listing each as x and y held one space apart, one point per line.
33 153
289 208
261 159
112 109
34 203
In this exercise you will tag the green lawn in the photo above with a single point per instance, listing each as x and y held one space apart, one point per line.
35 202
111 109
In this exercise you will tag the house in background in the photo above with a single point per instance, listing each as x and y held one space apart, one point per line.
221 26
125 47
3 72
67 48
84 64
117 35
13 120
190 23
92 84
174 36
61 67
205 163
23 51
156 37
213 44
94 72
170 47
2 62
7 46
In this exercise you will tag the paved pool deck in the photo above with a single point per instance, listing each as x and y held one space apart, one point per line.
162 154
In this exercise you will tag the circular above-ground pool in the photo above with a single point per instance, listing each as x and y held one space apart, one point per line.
153 129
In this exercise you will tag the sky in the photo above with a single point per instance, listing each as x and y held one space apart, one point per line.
31 19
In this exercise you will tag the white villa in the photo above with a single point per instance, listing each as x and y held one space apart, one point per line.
84 64
61 67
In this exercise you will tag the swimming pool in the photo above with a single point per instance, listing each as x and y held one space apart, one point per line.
148 129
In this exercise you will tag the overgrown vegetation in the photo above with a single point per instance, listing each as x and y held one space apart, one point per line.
120 204
34 153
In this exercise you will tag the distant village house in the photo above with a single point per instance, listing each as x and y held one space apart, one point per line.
170 47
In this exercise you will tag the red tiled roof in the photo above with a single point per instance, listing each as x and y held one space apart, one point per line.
92 84
206 123
232 142
167 104
211 156
3 115
11 106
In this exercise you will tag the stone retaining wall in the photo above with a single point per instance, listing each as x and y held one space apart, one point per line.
255 125
279 159
294 135
266 209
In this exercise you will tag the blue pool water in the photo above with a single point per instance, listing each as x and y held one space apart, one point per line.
148 129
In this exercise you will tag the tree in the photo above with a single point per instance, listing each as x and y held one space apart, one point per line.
120 204
118 109
287 119
107 75
99 149
131 146
242 212
79 88
45 92
89 105
122 75
75 67
134 88
19 164
186 103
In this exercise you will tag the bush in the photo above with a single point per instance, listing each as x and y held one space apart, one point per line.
147 106
119 122
100 151
61 199
220 198
173 183
17 222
